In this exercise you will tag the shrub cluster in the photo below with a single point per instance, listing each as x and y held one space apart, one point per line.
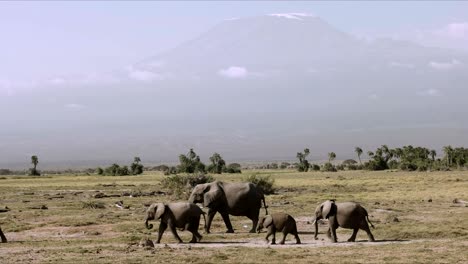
265 183
181 185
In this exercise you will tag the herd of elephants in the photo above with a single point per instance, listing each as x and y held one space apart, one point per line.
245 199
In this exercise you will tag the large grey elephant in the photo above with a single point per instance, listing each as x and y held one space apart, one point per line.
349 215
176 215
238 199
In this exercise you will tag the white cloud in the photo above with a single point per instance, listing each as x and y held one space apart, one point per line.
57 81
373 96
230 19
234 72
395 64
297 16
74 106
430 92
454 30
443 66
312 70
145 76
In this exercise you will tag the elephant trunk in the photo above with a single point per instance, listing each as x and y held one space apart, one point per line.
191 199
148 226
316 228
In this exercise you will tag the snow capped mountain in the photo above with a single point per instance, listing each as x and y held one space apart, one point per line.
246 87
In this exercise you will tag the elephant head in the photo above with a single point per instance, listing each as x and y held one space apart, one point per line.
208 194
324 211
264 222
154 212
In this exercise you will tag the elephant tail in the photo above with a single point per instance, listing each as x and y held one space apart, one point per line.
367 217
264 205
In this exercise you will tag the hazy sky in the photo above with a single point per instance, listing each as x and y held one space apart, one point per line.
101 82
46 40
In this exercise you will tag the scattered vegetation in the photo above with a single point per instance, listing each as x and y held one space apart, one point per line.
265 183
93 205
115 169
303 164
33 171
181 185
191 163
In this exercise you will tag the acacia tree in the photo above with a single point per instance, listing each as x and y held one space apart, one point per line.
303 162
136 167
331 156
448 154
433 154
358 151
34 161
191 163
217 164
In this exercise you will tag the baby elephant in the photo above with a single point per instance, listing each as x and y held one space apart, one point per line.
176 215
278 222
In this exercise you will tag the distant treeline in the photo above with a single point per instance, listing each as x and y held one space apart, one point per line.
407 158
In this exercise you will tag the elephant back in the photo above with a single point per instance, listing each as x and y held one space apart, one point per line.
241 197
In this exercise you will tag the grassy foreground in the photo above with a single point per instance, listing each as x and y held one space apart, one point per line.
415 219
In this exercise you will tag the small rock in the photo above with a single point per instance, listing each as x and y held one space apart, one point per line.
146 243
430 200
376 203
395 219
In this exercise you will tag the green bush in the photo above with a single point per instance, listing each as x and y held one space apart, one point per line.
233 168
328 167
181 185
265 183
315 167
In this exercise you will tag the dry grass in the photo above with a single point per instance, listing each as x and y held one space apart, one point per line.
71 230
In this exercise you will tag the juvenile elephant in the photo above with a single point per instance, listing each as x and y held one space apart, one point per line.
176 215
278 222
346 215
239 199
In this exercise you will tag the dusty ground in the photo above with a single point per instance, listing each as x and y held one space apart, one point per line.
415 218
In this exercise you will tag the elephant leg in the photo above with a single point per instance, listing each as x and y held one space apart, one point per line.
329 233
254 225
366 228
193 228
211 214
254 218
333 226
162 228
353 236
285 233
174 231
272 230
267 236
296 235
227 222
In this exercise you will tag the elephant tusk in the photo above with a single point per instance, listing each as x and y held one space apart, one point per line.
314 222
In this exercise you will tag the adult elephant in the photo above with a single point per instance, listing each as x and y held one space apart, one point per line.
238 199
349 215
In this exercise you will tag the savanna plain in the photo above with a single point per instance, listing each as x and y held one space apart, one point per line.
74 219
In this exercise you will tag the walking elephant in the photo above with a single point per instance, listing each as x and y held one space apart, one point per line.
278 222
238 199
176 215
346 215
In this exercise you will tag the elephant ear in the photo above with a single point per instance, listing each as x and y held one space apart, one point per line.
212 196
328 209
160 210
268 221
